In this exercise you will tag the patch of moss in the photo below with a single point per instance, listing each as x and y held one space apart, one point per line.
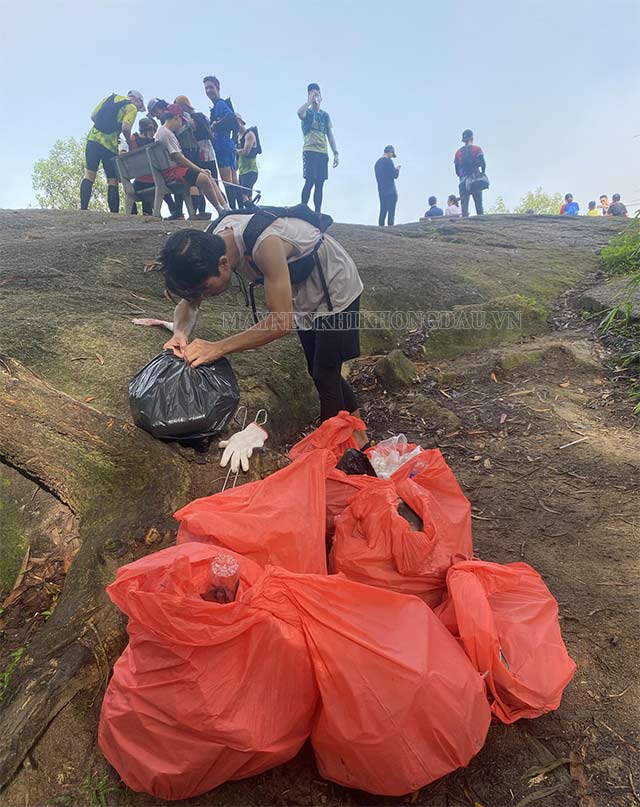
469 328
13 542
521 358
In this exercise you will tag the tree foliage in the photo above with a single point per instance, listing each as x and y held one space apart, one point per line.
539 202
536 201
56 178
500 206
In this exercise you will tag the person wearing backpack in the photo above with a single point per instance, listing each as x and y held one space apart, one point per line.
311 284
224 127
248 149
115 114
470 167
317 129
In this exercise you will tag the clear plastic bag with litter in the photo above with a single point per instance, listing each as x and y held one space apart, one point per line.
391 454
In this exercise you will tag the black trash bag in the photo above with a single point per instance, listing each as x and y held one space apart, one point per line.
354 462
173 401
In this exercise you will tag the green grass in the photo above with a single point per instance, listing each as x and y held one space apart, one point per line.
5 676
622 255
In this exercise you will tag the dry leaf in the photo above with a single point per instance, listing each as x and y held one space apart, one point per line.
477 458
503 418
493 378
487 463
152 537
564 384
90 398
100 359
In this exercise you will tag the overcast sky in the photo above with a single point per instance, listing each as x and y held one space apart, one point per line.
551 89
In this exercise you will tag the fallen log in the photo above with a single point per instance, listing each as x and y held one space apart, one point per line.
121 483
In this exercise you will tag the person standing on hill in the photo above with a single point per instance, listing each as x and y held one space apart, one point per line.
248 149
470 167
616 208
569 208
386 175
317 129
224 126
115 114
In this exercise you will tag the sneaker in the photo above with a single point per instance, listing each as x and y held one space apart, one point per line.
200 217
175 217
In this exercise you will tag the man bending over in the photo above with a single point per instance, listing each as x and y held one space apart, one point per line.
323 308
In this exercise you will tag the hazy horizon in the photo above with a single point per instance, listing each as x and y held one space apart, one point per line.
551 94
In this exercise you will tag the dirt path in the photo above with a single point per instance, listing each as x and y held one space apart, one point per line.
548 452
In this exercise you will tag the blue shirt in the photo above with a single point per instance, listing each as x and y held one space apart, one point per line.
434 211
222 133
571 209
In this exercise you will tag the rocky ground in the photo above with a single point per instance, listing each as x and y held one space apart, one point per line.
539 433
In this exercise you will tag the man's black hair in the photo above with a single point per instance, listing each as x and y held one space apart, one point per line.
212 79
313 86
592 204
567 195
615 197
432 200
189 258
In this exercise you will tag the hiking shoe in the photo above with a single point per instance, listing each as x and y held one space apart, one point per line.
200 217
175 217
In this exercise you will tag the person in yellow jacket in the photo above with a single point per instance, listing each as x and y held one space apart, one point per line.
593 210
114 115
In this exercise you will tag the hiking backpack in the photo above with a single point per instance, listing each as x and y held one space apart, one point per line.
299 268
257 149
106 119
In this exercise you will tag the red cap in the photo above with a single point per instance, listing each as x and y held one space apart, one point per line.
175 110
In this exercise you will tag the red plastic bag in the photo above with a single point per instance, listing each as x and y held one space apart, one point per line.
336 434
278 520
204 692
401 703
340 491
374 544
507 622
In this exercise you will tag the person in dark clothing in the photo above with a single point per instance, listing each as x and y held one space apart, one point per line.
617 208
192 139
147 129
469 164
386 175
434 211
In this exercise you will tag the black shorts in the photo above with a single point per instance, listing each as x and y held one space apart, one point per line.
334 338
95 153
248 180
210 165
315 165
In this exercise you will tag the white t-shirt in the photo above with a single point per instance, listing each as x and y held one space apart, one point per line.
168 140
452 210
340 271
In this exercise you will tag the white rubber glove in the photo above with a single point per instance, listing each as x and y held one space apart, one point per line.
240 446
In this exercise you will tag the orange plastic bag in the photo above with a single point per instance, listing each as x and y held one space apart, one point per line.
374 544
341 488
401 703
336 434
507 622
204 692
278 520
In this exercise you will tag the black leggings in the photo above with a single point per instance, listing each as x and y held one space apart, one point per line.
247 181
334 392
388 203
317 194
